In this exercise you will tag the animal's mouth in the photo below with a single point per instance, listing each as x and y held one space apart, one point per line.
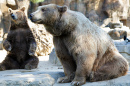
36 21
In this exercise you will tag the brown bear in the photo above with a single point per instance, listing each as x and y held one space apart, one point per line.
84 49
20 44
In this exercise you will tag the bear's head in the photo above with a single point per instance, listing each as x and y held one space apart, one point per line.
52 17
18 16
47 14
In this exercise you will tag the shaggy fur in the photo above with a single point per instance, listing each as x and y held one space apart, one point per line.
85 50
20 44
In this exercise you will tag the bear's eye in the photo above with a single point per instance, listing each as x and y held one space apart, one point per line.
43 9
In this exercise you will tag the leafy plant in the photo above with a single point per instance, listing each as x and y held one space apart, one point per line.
36 1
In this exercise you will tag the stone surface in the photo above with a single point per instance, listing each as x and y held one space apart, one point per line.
124 48
47 74
27 80
12 2
101 12
121 81
53 58
49 78
24 3
117 34
43 39
115 25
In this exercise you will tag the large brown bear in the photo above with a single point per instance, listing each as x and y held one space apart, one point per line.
20 44
84 49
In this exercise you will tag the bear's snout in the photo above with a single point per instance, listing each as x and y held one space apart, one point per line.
13 16
34 19
31 15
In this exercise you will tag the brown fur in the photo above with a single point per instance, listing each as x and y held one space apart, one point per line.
20 44
85 50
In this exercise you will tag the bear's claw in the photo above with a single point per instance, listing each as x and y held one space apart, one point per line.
28 67
9 49
76 83
2 68
63 80
31 53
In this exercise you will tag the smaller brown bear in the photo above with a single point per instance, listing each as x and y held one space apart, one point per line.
20 44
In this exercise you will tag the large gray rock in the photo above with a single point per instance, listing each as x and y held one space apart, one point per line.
29 77
43 39
28 80
124 49
12 2
118 33
53 58
98 11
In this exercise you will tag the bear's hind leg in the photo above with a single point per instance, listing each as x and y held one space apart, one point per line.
112 69
8 63
31 63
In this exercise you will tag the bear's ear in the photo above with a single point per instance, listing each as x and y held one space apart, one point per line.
62 9
22 9
10 10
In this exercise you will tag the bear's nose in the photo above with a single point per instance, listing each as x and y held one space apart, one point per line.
13 16
31 15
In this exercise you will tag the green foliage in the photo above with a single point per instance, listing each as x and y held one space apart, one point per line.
36 1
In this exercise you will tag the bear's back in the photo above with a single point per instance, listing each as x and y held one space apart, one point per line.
88 31
84 25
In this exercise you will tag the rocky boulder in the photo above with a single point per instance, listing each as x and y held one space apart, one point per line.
98 11
119 33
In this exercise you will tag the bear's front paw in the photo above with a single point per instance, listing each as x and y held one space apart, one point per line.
28 66
64 80
31 53
2 68
78 81
9 49
32 49
7 45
